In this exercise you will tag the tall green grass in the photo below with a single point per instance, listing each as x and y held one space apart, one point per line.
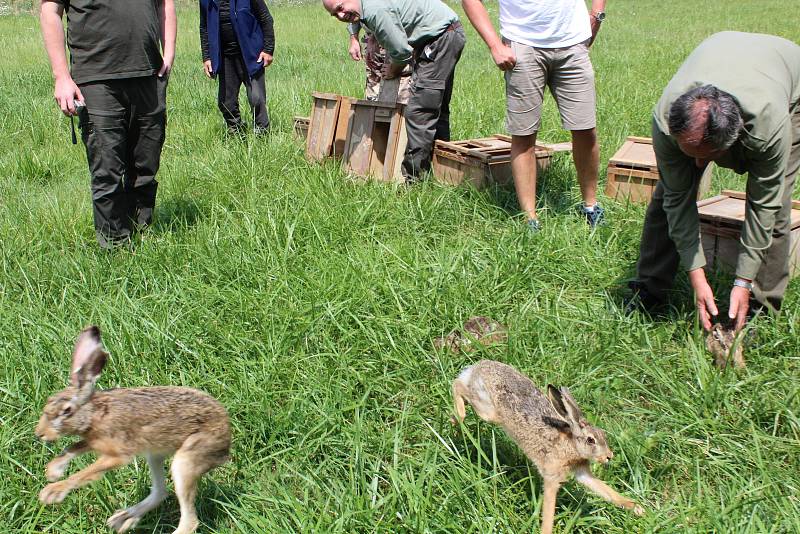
307 303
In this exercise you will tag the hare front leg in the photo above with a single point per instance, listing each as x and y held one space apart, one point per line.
57 466
57 491
549 504
124 520
584 475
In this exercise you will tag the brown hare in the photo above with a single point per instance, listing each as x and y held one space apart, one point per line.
552 432
476 331
119 424
721 342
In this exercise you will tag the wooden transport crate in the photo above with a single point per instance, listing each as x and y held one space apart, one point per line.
327 130
633 173
484 161
376 140
721 219
300 127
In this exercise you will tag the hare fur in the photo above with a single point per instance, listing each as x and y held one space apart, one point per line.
119 424
721 342
551 431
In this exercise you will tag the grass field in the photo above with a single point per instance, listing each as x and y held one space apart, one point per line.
307 302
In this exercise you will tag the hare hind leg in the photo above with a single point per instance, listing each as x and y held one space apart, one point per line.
124 520
199 454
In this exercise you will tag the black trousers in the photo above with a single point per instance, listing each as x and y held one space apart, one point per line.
232 75
427 113
123 127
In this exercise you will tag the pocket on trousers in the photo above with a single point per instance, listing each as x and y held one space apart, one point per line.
427 98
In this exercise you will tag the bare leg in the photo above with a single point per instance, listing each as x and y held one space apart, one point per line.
57 491
586 155
57 466
549 504
523 167
124 520
595 485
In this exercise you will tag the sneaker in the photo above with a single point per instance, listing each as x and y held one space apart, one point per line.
595 215
534 226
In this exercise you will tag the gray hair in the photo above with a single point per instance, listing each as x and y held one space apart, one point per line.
723 121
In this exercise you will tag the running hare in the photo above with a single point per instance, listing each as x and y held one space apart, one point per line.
119 424
553 433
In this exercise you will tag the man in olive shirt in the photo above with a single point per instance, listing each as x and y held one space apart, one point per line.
118 77
427 34
734 101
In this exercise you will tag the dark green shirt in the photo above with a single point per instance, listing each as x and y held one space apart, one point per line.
762 72
111 39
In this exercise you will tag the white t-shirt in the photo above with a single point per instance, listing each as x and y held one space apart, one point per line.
545 23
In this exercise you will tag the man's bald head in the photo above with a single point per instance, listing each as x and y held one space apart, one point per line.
706 116
344 10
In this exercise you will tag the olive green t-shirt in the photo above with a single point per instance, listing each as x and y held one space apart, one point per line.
762 73
111 39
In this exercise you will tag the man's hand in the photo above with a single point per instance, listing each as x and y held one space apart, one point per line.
740 304
265 59
704 298
166 67
66 93
207 68
503 56
355 48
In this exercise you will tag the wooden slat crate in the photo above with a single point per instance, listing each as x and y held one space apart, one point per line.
633 173
300 127
480 162
376 140
328 124
721 219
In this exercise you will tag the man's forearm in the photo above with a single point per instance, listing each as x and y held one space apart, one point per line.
53 35
598 6
169 28
479 17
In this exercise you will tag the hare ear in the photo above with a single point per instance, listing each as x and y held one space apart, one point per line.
88 358
575 413
556 400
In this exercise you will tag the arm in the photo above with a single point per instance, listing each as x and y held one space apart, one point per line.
66 92
597 7
169 31
264 18
204 40
679 178
354 48
765 189
476 13
390 34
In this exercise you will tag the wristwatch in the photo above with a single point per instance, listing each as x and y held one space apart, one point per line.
739 282
600 16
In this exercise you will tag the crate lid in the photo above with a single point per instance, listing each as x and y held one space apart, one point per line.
729 207
493 149
636 153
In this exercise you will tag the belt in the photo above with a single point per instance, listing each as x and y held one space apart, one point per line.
453 27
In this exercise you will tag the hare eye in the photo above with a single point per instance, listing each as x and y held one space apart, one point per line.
66 410
590 440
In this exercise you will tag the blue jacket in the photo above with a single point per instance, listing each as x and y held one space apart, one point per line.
248 33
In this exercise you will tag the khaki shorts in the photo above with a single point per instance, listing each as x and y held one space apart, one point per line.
569 74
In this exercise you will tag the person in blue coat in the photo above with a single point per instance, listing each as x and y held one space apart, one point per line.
238 41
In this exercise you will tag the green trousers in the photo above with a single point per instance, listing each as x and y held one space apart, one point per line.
123 127
658 257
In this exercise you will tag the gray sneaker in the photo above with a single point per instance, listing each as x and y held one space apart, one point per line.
534 226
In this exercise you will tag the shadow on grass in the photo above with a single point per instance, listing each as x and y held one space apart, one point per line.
211 501
177 214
